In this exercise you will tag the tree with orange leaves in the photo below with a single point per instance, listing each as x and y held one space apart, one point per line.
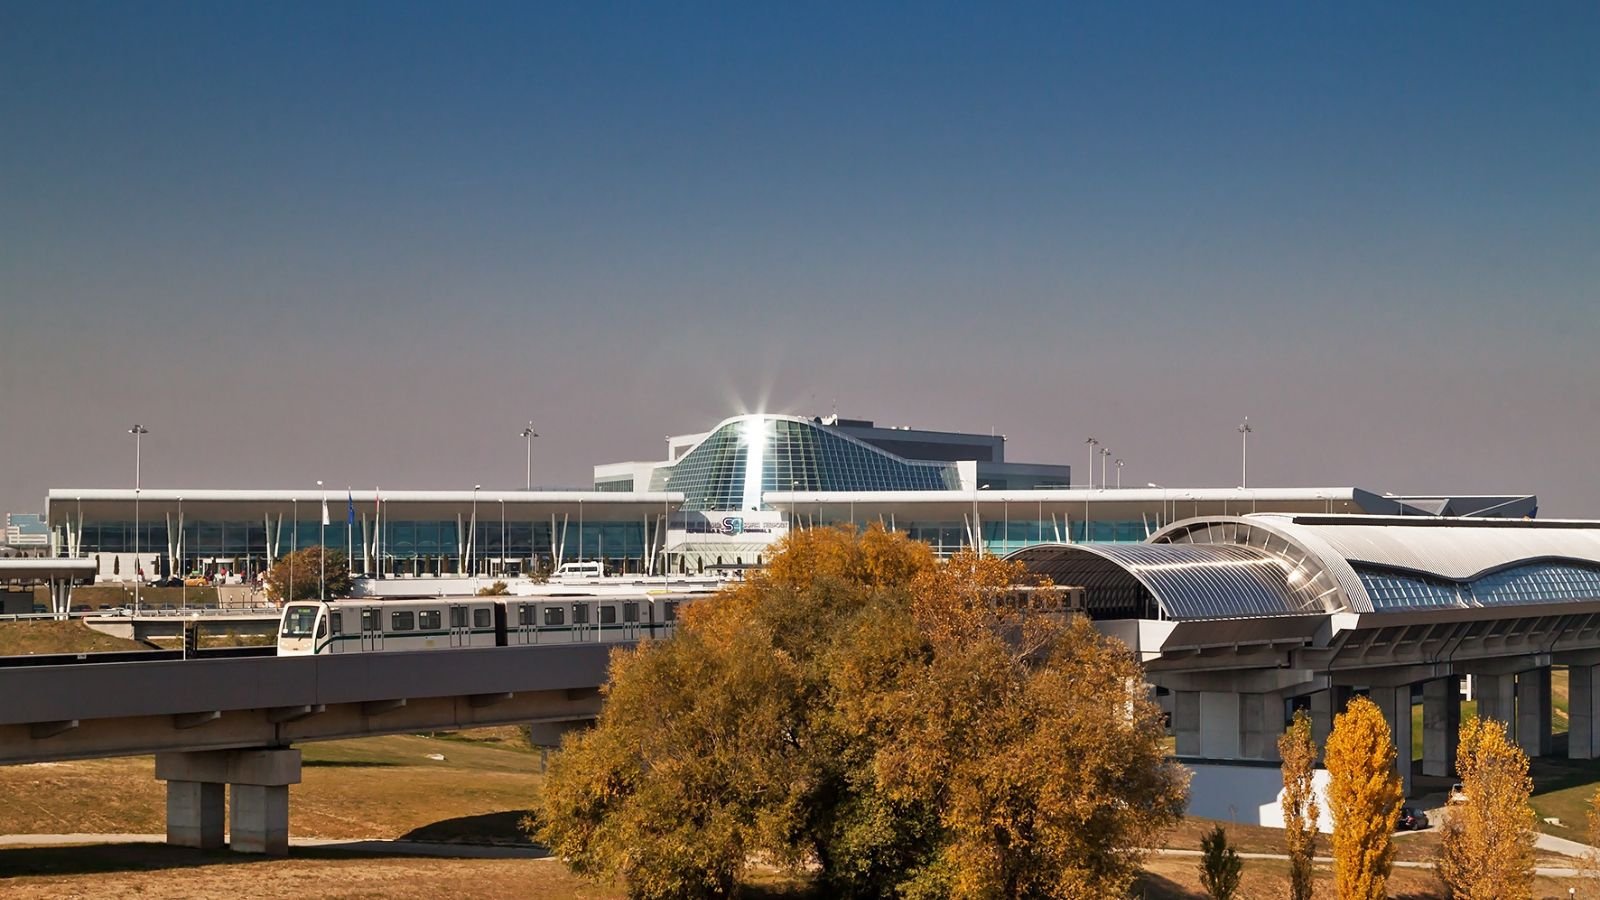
1364 798
1486 844
896 726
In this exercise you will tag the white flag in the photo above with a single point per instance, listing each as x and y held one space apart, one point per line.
325 512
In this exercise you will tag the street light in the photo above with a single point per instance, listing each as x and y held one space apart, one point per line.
1244 452
1118 464
502 537
138 432
977 530
1163 496
529 434
322 546
472 539
1105 453
1093 443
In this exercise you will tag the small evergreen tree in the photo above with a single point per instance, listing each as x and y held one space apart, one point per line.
1219 865
1299 755
1364 797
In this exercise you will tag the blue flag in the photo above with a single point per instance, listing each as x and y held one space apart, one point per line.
350 509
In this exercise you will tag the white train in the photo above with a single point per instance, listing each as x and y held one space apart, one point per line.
447 623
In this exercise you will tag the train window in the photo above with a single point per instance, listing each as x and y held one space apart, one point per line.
481 618
369 620
336 619
429 620
554 615
608 615
402 621
525 614
630 612
669 611
322 628
580 613
299 621
458 617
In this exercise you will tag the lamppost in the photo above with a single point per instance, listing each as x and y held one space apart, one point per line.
322 547
1244 452
1093 443
977 528
502 537
794 488
1163 497
529 434
472 539
138 432
1118 464
1105 453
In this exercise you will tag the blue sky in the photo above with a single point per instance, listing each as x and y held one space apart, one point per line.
365 242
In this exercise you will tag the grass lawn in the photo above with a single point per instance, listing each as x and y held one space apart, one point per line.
383 787
50 636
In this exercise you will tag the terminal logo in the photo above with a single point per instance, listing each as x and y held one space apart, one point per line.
732 525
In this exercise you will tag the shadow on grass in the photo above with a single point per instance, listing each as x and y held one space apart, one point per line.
1150 886
94 859
347 764
487 828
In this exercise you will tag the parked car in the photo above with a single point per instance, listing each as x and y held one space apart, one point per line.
196 581
170 581
1458 794
1413 819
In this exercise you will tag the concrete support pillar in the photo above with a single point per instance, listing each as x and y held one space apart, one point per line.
1260 723
259 818
1219 724
1497 699
260 782
1186 722
1533 711
1583 710
195 814
1395 702
1441 725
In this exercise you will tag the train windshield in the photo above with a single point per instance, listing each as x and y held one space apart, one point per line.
298 621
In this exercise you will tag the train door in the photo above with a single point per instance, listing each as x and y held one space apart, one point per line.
630 621
525 628
371 628
335 629
460 627
608 628
580 622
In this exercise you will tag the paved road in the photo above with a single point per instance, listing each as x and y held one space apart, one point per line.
364 845
1546 871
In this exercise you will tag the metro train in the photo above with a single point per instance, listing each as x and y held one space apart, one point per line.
448 623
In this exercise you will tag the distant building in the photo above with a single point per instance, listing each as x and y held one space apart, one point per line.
717 502
27 531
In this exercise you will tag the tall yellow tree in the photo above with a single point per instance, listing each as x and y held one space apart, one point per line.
1364 797
1486 845
1300 811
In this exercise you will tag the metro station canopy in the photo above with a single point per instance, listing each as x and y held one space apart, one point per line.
1275 565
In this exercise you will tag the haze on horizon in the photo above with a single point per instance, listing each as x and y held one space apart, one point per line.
366 242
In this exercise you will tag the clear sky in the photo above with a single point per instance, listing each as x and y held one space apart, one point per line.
365 242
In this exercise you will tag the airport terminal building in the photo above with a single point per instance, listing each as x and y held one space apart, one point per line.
718 502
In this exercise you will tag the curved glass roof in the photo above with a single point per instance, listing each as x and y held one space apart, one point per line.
1177 581
749 455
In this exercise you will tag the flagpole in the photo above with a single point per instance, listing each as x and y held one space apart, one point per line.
322 546
349 525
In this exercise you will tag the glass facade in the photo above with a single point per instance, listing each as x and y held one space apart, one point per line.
1539 582
731 468
409 547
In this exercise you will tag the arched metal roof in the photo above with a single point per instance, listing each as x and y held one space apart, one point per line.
1176 581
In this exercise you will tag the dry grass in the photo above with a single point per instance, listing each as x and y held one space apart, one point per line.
383 787
154 870
49 636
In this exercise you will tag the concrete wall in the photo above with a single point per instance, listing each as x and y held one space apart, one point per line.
1248 795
